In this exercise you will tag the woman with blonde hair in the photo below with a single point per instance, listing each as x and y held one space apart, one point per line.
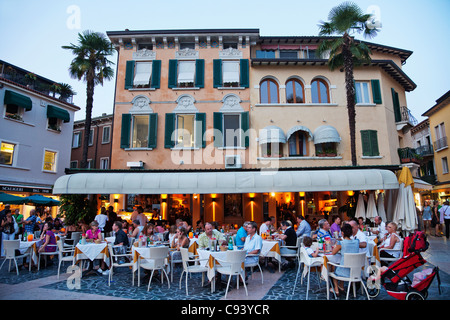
393 242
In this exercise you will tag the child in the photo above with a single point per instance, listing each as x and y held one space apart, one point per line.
307 242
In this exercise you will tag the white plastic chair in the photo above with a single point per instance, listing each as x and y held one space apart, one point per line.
355 262
75 237
62 257
116 264
255 264
291 255
173 262
45 254
10 253
308 263
156 262
232 266
196 268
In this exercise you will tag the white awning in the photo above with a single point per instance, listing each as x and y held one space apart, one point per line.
299 128
206 182
324 134
143 73
186 71
230 71
271 134
422 185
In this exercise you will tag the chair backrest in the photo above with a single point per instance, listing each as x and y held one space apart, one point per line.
184 257
235 258
76 237
158 254
354 261
60 245
10 247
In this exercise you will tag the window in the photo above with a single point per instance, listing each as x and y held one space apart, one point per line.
369 142
268 91
297 144
231 126
230 73
140 131
362 92
227 45
288 54
90 164
74 164
319 91
7 153
106 134
142 74
444 165
104 163
265 54
49 160
76 140
441 137
91 137
186 73
54 124
273 149
327 149
187 45
13 111
185 130
148 46
294 92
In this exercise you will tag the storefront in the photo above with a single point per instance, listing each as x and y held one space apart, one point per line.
228 196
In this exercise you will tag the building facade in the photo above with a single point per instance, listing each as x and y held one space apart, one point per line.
439 118
262 116
36 128
99 149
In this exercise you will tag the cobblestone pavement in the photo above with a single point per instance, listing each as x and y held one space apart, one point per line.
43 284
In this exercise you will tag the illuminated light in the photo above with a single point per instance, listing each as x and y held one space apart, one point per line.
164 210
214 209
164 196
272 194
350 193
301 194
251 204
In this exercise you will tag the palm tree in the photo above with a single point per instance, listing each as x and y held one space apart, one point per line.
92 65
346 52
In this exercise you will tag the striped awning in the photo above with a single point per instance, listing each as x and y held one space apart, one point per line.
324 134
271 134
299 128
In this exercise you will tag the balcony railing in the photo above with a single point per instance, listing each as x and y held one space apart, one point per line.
440 143
407 116
408 155
425 150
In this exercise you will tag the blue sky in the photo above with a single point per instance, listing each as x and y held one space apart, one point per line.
32 33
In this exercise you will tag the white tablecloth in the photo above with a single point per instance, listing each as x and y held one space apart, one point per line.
26 246
271 249
91 251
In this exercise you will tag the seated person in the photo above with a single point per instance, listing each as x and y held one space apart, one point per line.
121 242
94 232
253 243
290 238
324 230
393 242
137 229
241 235
210 234
307 242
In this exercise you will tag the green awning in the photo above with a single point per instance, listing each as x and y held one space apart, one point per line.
55 112
18 99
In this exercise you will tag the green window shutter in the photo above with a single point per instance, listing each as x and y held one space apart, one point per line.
245 125
173 73
376 91
156 74
200 129
218 128
129 74
217 75
170 127
396 103
369 140
244 74
200 73
125 131
153 130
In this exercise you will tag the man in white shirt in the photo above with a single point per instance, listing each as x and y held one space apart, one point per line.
445 211
253 243
358 234
380 228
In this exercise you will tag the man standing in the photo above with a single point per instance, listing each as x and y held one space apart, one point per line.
30 222
101 218
445 212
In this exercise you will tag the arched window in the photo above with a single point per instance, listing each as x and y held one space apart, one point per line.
319 91
294 91
268 91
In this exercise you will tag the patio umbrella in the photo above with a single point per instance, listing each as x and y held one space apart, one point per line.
360 208
41 200
405 210
371 212
380 207
10 199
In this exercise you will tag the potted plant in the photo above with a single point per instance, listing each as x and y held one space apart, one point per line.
30 78
330 153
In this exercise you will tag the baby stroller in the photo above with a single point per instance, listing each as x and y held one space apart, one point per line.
394 278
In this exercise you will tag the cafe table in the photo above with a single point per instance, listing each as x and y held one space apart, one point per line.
271 248
91 251
26 246
211 262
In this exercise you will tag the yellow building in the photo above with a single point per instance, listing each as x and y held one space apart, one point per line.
439 118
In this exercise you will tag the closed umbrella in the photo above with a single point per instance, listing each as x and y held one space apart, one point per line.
405 214
380 207
10 199
42 200
360 208
371 212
